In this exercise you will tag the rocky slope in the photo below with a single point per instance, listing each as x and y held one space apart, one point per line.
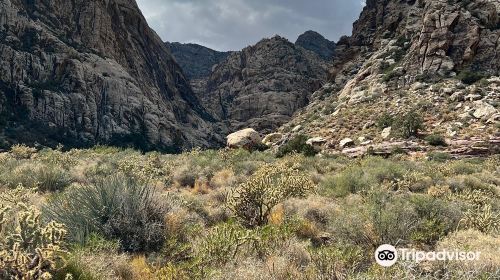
440 58
263 85
315 42
86 72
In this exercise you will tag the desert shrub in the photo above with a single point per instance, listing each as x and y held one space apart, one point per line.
297 145
223 178
272 238
482 218
469 77
98 259
414 181
409 124
52 178
361 177
142 168
22 151
437 218
377 219
463 167
385 218
386 120
333 262
351 180
30 249
438 156
57 157
115 207
436 140
223 243
486 267
44 177
253 201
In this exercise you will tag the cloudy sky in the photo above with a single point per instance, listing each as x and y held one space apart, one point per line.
235 24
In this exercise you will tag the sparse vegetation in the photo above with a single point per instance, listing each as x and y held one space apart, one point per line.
129 215
386 120
409 124
297 145
469 77
436 140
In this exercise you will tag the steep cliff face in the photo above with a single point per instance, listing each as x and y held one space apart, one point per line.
197 61
82 72
438 57
263 85
316 43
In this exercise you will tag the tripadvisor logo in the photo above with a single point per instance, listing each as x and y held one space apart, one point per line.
387 255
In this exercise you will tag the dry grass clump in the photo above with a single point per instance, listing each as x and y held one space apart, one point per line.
474 241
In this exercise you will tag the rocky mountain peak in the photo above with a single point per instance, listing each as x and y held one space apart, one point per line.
263 85
197 61
313 41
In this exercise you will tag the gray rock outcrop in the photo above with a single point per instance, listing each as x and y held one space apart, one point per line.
86 72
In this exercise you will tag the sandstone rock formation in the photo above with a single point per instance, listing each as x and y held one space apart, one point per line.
263 85
246 138
316 43
272 139
86 72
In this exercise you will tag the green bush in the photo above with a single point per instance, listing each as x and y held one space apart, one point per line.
297 145
379 218
437 218
436 140
409 125
439 157
364 176
114 207
385 120
469 77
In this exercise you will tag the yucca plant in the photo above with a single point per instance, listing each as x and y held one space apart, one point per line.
115 207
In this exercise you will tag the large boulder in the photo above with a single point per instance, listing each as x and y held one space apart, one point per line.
272 139
483 110
316 142
347 142
247 138
386 132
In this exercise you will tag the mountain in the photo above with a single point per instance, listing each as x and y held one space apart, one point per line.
316 43
263 85
197 61
86 72
440 58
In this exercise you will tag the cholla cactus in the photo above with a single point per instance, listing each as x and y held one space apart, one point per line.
30 251
22 151
253 201
482 218
142 168
223 243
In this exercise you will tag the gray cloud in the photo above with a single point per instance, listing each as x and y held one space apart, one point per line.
235 24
